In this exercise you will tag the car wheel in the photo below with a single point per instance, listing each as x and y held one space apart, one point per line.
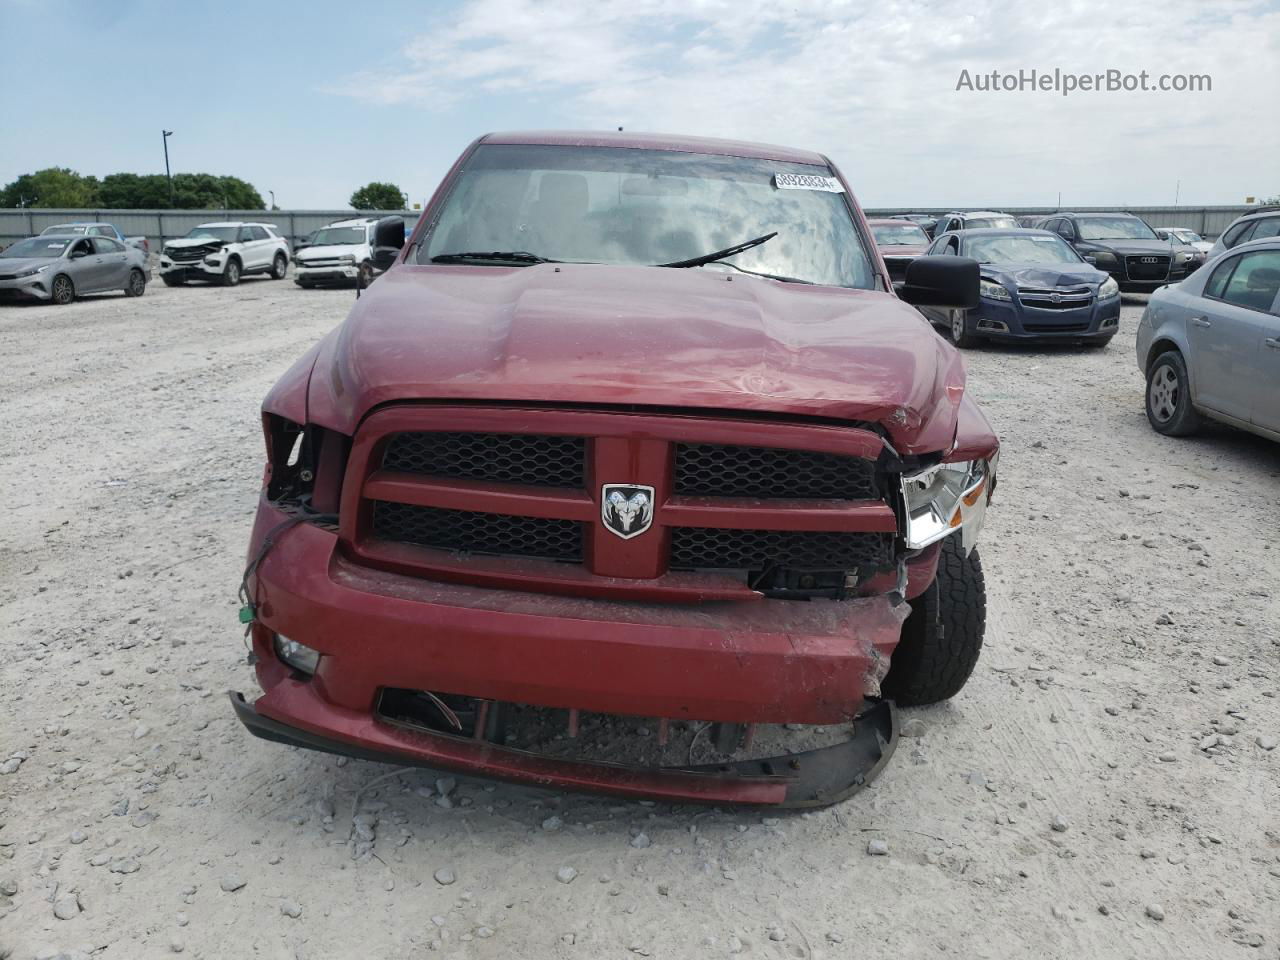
231 273
63 290
942 637
137 284
172 281
1169 409
278 266
959 329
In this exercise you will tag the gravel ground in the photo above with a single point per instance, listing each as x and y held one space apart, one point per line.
1106 785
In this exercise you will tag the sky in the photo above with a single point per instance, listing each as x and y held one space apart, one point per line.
313 100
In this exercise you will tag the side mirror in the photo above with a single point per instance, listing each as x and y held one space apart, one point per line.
942 282
1090 258
388 241
78 254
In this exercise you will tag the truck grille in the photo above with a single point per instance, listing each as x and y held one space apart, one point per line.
718 508
463 531
533 459
1147 267
694 548
715 470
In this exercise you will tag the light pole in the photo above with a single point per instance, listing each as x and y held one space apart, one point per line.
273 198
167 175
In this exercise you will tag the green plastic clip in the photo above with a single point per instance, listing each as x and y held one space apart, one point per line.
247 613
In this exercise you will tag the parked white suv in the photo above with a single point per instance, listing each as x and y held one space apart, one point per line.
225 252
337 253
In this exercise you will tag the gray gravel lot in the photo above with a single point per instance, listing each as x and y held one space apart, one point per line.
1106 786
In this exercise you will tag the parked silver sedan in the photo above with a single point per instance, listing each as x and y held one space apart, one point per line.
1210 345
60 267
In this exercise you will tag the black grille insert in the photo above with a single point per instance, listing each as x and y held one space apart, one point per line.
530 459
1154 268
715 470
488 533
694 548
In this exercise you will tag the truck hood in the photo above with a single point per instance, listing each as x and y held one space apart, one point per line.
1127 247
185 242
609 335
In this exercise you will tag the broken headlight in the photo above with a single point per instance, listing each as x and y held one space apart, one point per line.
945 498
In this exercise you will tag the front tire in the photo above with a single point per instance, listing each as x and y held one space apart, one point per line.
137 285
959 331
231 273
942 637
1169 409
63 290
279 266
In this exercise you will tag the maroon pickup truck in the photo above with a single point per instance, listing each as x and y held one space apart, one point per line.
634 435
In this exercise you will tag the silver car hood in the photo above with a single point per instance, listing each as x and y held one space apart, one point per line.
11 265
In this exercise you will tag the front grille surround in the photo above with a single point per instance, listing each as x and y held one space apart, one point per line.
1135 269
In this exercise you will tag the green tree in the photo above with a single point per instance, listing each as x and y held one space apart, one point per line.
51 187
379 196
131 191
205 191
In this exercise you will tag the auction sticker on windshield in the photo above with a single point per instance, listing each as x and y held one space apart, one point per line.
805 181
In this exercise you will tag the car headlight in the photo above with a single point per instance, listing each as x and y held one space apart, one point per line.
1108 289
992 290
1186 257
347 259
299 656
33 271
945 498
1103 259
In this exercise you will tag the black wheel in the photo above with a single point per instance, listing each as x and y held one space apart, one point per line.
960 330
137 285
172 281
63 290
278 266
231 273
942 638
1169 409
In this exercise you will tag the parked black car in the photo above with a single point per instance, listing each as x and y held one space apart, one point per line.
1123 245
1034 287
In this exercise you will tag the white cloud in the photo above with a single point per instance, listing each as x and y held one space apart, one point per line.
874 87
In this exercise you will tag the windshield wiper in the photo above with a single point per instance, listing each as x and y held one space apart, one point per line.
720 254
769 276
502 256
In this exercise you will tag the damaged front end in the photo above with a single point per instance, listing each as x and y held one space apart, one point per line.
444 589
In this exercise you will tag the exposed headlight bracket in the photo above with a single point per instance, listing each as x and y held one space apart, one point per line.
944 498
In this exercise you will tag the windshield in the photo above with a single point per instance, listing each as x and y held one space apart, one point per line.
1114 228
37 247
997 223
898 235
1186 236
1020 249
645 207
227 234
332 236
76 228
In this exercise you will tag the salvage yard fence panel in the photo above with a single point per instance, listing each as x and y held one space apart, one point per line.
160 225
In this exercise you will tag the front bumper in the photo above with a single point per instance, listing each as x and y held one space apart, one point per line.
751 661
190 269
23 288
1012 320
813 778
303 274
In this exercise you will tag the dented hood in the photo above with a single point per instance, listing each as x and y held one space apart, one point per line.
589 334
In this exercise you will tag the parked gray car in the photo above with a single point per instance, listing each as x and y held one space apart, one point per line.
60 268
1210 346
1262 223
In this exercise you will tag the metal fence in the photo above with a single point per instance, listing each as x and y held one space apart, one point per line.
1206 221
159 225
